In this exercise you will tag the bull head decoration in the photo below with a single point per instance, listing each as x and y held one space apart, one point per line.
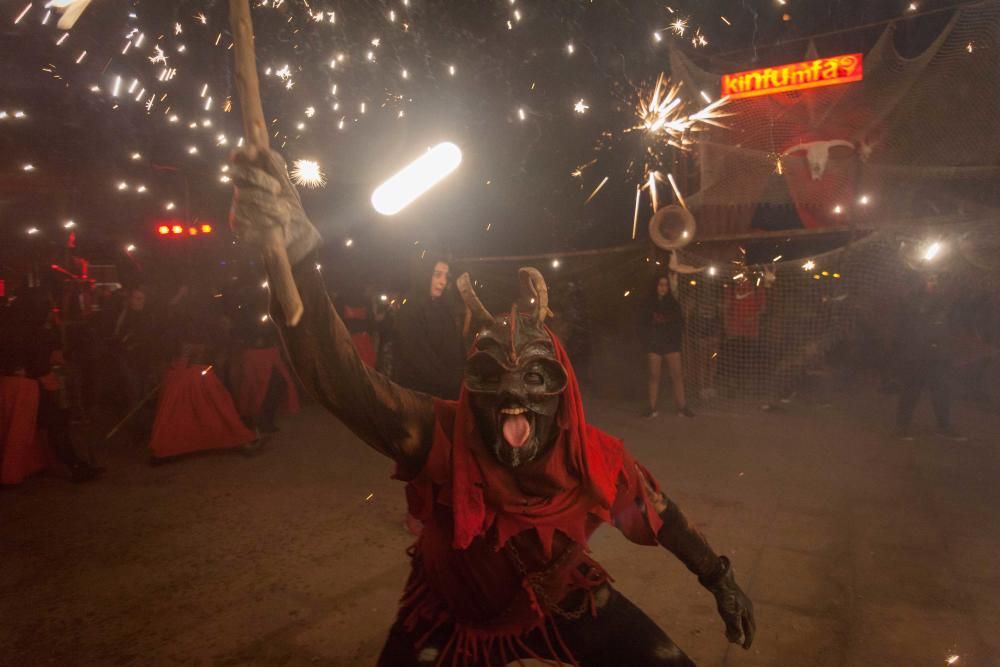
817 154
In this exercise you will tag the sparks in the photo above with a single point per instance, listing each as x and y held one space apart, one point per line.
664 113
580 106
23 13
596 190
308 173
679 26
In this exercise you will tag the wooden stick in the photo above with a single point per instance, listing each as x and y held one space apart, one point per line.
279 271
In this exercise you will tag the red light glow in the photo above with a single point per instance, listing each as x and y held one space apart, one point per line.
176 229
193 231
163 230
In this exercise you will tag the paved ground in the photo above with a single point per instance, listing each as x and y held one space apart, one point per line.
857 549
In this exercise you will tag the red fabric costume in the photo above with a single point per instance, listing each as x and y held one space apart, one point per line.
195 413
496 553
21 452
256 366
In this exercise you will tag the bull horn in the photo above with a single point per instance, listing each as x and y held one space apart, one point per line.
472 302
533 285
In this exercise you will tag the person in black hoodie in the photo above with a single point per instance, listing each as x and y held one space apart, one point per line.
925 351
428 351
661 330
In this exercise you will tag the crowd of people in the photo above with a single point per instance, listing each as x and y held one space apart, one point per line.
105 349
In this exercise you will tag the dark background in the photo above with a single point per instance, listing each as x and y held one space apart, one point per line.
514 193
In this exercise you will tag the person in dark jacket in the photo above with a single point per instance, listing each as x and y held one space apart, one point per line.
428 352
661 330
924 357
29 341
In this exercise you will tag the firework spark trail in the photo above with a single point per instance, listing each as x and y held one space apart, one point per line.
664 113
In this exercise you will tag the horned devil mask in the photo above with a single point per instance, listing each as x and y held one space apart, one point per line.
514 380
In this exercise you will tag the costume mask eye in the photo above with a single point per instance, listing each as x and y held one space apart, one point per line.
544 376
483 373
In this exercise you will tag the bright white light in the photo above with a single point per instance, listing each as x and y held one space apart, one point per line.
28 167
32 231
712 271
555 264
838 209
864 200
123 185
141 189
136 156
932 251
130 247
169 206
383 297
69 224
416 178
308 173
809 265
349 242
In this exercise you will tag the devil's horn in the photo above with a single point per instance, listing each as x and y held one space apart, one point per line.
533 285
472 302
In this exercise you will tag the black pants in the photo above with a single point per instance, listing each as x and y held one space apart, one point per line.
620 634
913 377
55 420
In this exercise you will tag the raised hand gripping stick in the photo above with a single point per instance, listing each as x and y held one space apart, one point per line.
279 270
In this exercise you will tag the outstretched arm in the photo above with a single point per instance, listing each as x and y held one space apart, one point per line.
392 420
645 514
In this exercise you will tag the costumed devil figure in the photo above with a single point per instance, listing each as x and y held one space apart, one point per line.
509 481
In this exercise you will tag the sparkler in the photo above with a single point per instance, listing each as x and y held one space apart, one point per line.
664 113
308 173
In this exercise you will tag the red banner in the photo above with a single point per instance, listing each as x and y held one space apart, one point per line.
796 76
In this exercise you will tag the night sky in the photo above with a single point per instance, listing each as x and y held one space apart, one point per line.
514 192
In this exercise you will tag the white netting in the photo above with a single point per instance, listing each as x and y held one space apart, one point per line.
754 340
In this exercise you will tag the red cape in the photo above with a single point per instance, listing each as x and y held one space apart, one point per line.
473 507
195 413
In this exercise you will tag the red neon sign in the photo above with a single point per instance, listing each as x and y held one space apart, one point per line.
796 76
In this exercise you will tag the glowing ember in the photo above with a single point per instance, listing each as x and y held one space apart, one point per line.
308 173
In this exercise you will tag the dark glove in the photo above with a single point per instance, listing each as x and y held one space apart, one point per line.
735 607
264 198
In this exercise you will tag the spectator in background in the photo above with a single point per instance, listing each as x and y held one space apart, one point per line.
356 312
661 330
428 351
924 355
29 345
132 345
742 356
